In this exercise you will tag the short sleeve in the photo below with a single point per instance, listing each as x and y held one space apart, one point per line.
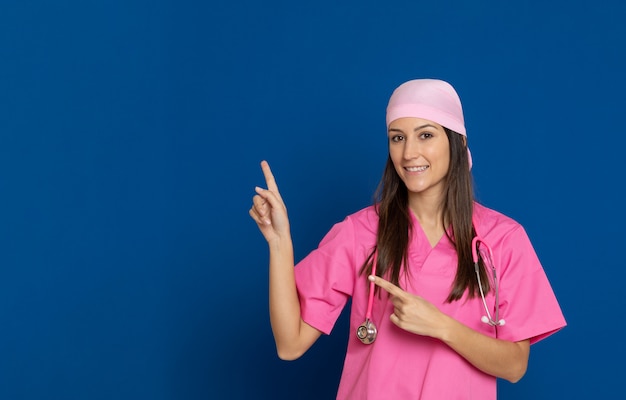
325 277
527 302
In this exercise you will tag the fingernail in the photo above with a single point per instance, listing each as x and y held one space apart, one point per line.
371 278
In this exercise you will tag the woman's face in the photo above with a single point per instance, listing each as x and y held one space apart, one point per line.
420 152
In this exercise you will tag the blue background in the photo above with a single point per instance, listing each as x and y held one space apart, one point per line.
131 136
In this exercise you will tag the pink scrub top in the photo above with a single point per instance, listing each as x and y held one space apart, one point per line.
403 365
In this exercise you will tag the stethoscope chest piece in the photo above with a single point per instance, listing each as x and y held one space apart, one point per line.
366 332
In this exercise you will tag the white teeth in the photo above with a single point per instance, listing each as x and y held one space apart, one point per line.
416 169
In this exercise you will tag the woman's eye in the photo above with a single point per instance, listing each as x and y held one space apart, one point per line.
426 135
397 138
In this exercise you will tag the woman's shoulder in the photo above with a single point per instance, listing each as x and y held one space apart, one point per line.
365 218
365 213
359 226
487 219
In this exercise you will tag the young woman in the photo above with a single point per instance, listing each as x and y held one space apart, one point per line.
447 295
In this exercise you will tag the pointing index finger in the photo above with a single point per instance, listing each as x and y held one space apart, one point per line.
384 284
269 177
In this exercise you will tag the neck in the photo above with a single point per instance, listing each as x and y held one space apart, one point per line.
427 209
431 224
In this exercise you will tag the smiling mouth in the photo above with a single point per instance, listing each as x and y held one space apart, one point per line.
417 169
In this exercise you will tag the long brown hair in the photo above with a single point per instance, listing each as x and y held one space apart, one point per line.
395 229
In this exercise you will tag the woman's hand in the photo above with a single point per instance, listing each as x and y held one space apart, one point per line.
268 209
412 313
497 357
292 335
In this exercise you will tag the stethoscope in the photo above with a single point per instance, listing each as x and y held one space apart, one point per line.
488 260
366 332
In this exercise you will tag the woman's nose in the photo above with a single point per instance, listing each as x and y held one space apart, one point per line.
411 149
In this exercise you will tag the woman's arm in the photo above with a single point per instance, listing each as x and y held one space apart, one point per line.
497 357
292 335
501 358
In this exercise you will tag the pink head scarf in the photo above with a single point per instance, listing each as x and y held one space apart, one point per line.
431 99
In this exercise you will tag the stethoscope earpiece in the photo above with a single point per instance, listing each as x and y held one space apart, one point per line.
491 322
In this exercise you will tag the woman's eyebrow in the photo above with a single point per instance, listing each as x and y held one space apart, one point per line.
414 130
424 126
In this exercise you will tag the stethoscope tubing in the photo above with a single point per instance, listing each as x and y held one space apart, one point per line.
367 331
487 319
370 300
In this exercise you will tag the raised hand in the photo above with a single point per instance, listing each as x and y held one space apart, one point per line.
268 209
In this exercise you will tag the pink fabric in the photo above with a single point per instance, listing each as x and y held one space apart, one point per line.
401 365
430 99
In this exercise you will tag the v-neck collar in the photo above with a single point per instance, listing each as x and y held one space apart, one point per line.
420 234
